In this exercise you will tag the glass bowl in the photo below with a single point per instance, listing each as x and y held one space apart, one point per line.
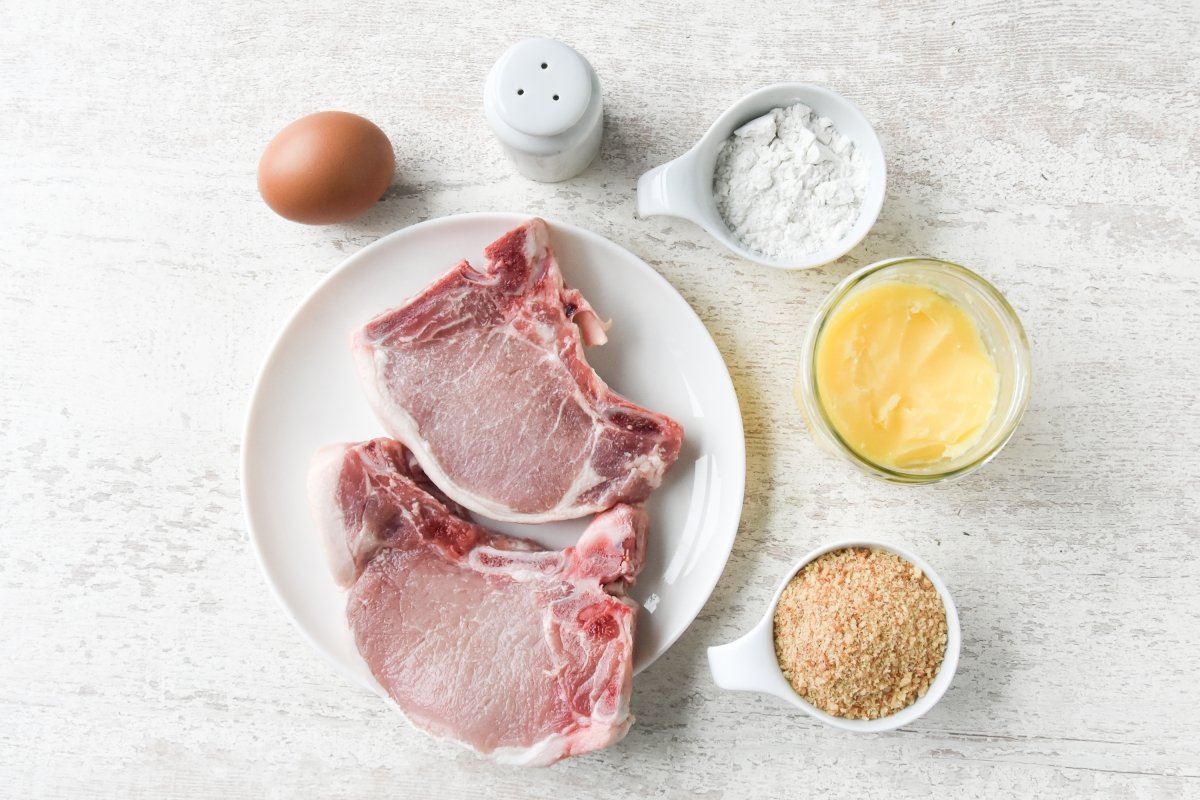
999 328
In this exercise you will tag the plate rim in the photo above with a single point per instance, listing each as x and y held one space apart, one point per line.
272 353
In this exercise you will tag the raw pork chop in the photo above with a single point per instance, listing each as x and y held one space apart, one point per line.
483 377
520 653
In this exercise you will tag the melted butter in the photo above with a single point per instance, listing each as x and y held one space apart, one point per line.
904 376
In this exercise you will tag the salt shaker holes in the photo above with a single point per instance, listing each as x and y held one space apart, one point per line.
543 101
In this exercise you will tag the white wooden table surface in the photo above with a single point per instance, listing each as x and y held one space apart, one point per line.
1053 146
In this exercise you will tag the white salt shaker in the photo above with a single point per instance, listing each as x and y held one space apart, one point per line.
542 101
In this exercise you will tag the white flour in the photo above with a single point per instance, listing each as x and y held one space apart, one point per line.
788 183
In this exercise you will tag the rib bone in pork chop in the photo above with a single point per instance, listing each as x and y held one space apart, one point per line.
522 654
483 377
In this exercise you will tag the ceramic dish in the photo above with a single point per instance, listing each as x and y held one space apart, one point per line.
684 187
749 664
659 355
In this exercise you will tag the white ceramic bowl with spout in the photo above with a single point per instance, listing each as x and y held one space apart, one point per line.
684 187
749 663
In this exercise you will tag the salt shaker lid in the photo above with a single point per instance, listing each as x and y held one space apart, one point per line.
541 87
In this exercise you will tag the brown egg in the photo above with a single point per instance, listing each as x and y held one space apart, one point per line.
326 167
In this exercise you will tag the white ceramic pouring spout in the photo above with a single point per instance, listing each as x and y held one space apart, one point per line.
675 190
748 664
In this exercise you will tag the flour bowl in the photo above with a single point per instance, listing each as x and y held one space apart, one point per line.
683 188
749 664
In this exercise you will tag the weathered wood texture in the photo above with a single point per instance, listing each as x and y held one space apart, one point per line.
1052 146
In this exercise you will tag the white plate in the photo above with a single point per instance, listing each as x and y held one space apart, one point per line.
658 355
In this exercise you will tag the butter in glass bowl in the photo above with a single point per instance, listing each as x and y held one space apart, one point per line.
915 370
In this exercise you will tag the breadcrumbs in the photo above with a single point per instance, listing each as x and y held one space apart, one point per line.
860 633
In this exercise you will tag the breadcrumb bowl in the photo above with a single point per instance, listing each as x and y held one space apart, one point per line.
750 664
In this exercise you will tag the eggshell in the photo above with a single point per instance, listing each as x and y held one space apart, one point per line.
326 167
